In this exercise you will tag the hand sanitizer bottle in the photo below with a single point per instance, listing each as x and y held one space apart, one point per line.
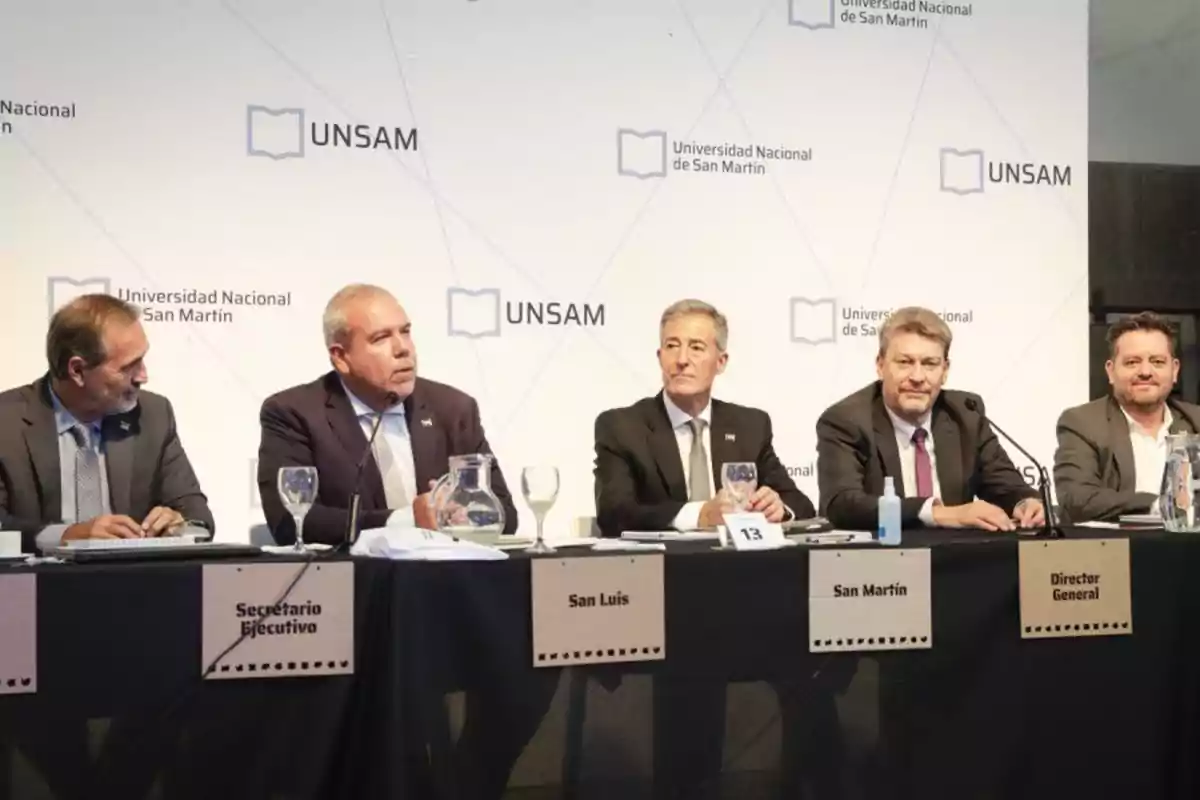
889 514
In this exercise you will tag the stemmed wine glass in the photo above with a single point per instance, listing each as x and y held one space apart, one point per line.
540 487
739 479
298 491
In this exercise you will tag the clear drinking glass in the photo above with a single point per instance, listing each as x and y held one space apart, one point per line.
298 491
540 487
739 479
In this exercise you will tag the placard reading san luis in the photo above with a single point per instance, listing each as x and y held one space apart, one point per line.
1077 587
311 632
869 600
597 610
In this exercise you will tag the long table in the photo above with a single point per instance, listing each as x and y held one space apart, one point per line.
445 700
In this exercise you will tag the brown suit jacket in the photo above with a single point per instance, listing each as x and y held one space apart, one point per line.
1093 465
146 464
856 448
314 425
639 474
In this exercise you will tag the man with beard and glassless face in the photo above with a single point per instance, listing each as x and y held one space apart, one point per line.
658 461
84 452
1112 451
946 463
326 424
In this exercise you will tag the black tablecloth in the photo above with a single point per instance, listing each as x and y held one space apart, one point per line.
445 700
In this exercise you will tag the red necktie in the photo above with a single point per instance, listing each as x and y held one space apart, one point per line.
924 468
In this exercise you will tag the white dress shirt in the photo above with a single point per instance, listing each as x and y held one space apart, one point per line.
688 518
394 431
908 459
1149 455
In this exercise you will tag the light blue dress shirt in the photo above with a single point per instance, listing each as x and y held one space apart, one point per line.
50 536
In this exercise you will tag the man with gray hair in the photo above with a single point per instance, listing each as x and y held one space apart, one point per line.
326 424
658 461
658 467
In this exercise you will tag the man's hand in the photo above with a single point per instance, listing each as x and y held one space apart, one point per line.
768 501
161 520
1030 513
423 513
711 512
108 526
979 514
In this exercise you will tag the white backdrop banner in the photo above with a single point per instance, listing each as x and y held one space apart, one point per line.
536 181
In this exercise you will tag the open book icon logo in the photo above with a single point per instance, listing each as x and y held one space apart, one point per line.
61 290
472 312
641 154
812 14
961 171
813 321
275 133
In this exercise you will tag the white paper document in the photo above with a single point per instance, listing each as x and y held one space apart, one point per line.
418 544
672 536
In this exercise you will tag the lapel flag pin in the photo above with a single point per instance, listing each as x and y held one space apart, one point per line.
731 437
125 425
427 422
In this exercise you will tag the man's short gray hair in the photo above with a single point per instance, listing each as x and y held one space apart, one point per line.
334 320
683 308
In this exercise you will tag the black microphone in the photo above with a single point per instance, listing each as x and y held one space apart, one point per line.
391 398
1050 527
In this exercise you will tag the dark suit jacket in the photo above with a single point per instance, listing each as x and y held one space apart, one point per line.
639 473
856 448
1093 465
314 425
146 464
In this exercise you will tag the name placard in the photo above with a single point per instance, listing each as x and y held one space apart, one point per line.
18 634
310 633
869 600
1077 587
597 610
749 530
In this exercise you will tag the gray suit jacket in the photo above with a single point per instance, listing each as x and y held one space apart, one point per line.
1093 465
146 463
856 448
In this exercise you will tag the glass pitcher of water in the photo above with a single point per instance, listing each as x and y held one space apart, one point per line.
1181 484
463 500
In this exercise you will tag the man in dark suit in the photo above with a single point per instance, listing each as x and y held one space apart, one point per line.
941 454
1112 451
653 468
658 467
326 424
84 451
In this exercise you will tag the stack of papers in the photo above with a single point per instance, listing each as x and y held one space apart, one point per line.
673 536
418 544
1149 520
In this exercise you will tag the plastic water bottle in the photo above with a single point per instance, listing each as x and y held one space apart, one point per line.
889 514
